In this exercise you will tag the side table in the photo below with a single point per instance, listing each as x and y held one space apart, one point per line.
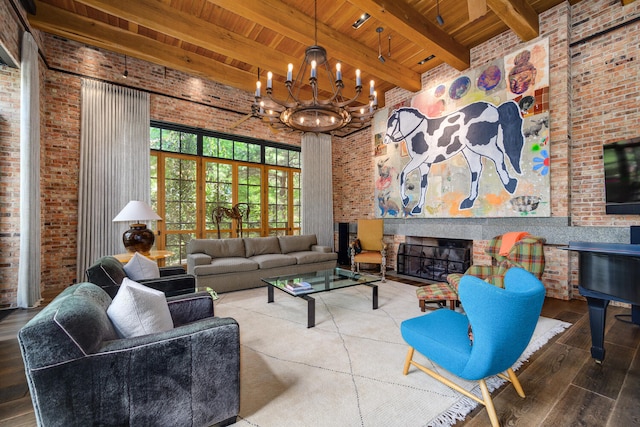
158 256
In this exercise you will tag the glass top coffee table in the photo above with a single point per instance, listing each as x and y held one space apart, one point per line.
321 281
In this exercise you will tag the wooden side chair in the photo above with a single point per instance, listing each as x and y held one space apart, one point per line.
485 341
369 246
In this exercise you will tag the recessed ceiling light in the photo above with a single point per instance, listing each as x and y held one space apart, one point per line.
428 58
362 20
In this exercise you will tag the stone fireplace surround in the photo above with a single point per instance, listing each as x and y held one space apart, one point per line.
556 230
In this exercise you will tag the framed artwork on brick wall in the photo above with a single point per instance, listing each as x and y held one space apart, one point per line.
475 146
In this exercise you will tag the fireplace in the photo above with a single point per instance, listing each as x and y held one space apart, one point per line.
433 259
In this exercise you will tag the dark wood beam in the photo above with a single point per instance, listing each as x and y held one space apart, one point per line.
518 15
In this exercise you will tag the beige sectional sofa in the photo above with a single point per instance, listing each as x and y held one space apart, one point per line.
233 264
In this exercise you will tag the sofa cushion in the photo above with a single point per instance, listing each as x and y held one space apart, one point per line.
306 257
140 267
261 246
296 243
274 260
106 271
217 248
139 310
226 265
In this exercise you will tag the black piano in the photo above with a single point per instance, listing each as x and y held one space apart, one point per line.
607 272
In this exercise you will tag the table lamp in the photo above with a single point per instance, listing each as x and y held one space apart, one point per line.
138 238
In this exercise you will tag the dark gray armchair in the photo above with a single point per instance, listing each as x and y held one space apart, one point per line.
107 272
80 373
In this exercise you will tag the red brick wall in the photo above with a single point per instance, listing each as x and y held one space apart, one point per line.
605 109
59 174
9 183
9 157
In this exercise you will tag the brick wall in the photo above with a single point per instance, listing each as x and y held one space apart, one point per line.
10 39
9 183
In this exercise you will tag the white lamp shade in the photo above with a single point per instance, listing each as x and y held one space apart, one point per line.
136 211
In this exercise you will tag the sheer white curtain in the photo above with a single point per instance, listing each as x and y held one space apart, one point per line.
317 187
30 229
114 166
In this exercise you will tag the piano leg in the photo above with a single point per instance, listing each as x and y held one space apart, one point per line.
597 316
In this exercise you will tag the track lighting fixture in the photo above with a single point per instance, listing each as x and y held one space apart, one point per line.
363 18
438 17
380 56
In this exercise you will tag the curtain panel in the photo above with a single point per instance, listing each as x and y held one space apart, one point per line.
29 267
114 166
317 187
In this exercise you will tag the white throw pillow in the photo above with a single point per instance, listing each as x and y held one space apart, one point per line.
140 267
139 310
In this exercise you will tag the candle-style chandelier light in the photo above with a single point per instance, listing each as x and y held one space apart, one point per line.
333 114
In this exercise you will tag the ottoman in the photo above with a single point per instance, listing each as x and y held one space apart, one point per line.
436 292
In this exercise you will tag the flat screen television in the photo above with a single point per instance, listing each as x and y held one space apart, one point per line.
622 176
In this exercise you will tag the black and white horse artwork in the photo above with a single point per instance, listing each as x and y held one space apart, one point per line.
477 130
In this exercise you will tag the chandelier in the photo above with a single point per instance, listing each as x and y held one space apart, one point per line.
331 114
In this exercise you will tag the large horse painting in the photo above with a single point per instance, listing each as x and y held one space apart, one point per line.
476 145
478 130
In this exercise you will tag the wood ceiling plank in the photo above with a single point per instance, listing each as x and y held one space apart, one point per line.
518 15
74 27
294 24
415 27
82 29
166 20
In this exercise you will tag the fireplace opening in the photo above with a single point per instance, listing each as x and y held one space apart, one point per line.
433 259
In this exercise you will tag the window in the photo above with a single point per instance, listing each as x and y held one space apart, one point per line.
196 174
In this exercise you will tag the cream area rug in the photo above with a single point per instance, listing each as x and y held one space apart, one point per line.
347 370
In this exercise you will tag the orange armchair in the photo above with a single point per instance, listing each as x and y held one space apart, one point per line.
369 247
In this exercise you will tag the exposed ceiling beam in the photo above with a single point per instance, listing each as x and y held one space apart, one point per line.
517 15
160 17
66 24
294 24
416 27
69 25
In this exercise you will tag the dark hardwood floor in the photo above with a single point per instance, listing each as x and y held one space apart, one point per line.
564 386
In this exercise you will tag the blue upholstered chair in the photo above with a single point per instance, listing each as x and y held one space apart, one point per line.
502 322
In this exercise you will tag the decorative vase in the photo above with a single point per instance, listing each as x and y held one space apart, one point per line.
138 239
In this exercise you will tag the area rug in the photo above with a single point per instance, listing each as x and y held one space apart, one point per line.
347 370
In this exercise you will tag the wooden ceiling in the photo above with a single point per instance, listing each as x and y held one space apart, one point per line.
230 41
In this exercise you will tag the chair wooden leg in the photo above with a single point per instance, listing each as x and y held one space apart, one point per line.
407 361
423 307
516 382
488 403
